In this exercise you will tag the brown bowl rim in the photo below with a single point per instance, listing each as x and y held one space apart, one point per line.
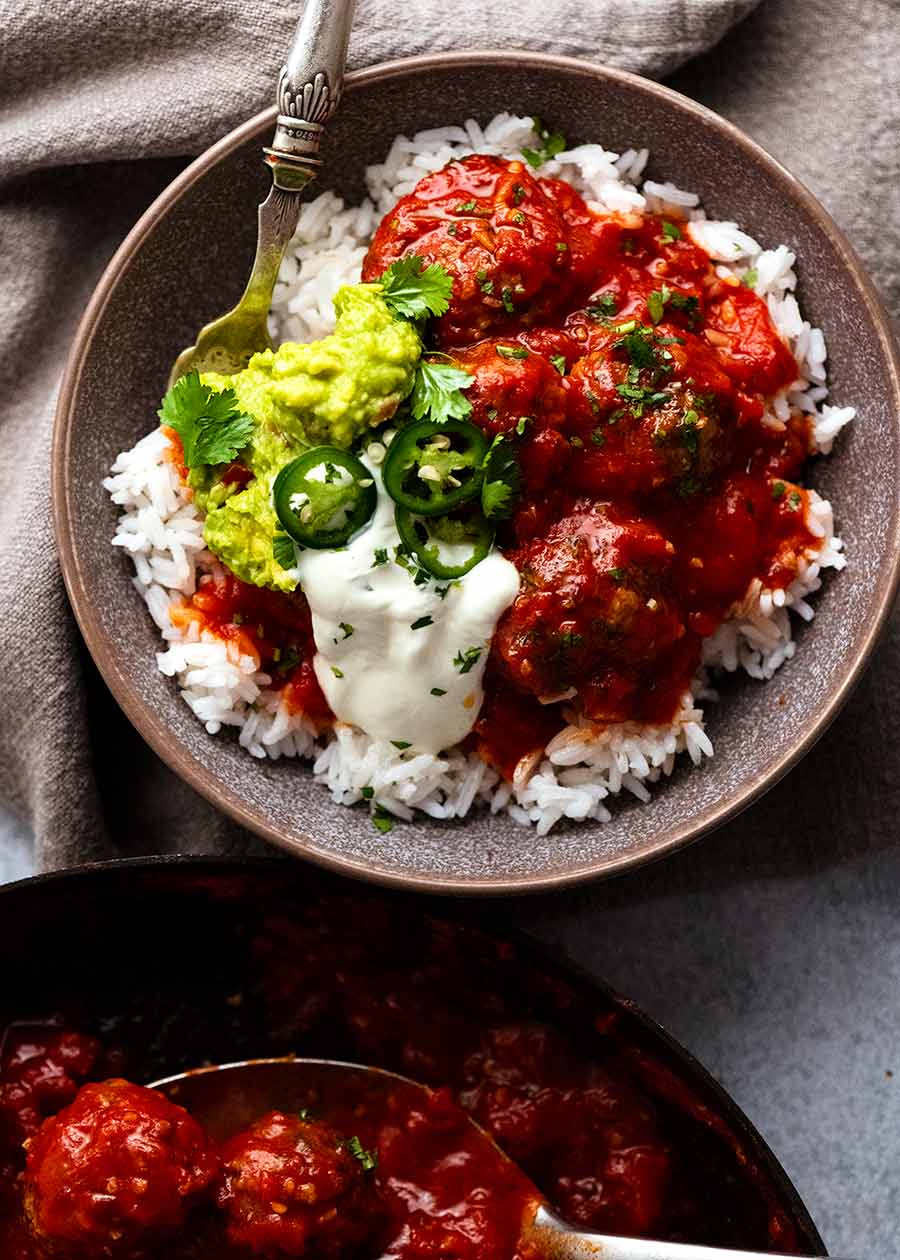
180 759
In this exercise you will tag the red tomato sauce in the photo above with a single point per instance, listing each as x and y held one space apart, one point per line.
633 381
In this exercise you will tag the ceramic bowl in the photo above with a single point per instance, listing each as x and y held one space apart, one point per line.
186 261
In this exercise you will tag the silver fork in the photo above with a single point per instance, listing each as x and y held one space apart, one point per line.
309 89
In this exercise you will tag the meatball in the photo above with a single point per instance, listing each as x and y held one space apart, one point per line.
511 383
651 410
490 223
594 1144
117 1168
750 348
291 1184
41 1071
472 1206
591 608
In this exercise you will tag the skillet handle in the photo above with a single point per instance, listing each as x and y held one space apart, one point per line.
309 90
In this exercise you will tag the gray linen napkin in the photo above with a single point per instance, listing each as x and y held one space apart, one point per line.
99 102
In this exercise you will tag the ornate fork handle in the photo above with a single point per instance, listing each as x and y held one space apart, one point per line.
309 90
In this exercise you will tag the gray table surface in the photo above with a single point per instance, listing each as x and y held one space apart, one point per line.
772 949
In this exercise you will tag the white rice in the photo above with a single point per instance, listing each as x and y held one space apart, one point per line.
584 765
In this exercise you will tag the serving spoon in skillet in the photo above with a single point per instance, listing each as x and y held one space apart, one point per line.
309 90
229 1097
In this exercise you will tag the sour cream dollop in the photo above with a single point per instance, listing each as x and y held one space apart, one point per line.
400 661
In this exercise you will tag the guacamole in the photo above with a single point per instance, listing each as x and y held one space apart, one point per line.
325 393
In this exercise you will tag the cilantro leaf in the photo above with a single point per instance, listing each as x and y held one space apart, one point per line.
413 290
283 551
368 1159
638 347
656 302
552 142
670 232
382 820
209 422
606 305
437 392
502 479
468 659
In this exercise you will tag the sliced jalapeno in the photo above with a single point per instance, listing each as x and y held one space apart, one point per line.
433 467
324 496
447 546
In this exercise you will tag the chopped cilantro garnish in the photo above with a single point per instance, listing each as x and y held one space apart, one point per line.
638 347
552 142
283 552
569 639
689 303
606 305
518 194
670 232
464 661
512 352
778 490
641 397
507 299
598 437
368 1159
662 297
347 629
521 424
338 673
401 744
519 218
656 302
367 792
421 622
380 557
290 658
413 290
750 278
438 691
559 362
465 207
437 392
561 247
689 436
617 575
381 820
794 499
209 422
